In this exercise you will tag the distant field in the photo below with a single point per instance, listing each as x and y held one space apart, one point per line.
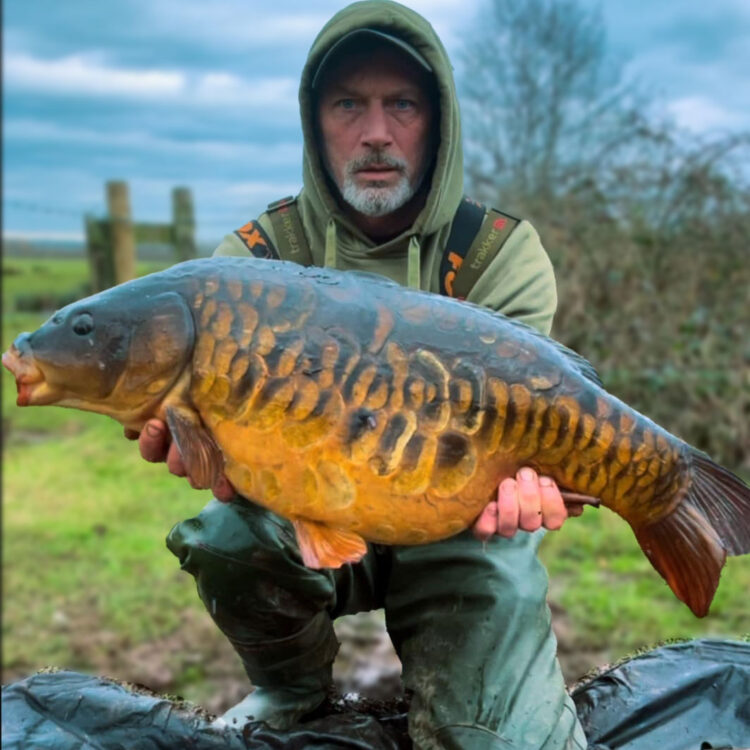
88 583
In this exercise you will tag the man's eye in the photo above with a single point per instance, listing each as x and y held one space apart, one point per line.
403 104
345 103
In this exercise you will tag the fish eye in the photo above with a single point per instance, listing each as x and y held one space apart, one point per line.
83 324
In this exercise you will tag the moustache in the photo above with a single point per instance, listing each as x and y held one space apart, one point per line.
376 158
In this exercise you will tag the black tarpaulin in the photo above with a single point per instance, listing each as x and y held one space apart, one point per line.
71 711
687 696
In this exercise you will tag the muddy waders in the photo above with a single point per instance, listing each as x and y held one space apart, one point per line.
469 621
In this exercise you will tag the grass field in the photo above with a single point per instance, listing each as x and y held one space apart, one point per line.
88 583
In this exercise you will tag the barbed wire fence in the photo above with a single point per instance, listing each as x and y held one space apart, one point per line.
227 219
34 207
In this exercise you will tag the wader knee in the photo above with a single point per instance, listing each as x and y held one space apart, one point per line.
472 628
254 585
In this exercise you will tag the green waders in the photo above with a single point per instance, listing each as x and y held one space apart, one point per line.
469 621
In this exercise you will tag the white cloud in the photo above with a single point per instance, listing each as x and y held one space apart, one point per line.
58 189
274 27
90 76
238 25
83 75
699 114
225 88
275 154
255 190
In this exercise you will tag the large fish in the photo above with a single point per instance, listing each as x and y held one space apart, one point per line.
362 410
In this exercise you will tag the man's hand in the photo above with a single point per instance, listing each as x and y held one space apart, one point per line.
528 502
156 445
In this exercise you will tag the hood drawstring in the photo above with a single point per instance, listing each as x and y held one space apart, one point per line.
330 256
413 265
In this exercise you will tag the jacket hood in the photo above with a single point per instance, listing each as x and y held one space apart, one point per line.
446 189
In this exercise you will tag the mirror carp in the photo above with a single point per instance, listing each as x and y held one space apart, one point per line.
361 410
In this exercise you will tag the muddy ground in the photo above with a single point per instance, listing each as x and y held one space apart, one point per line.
213 678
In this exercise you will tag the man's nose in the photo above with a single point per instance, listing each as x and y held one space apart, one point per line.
375 128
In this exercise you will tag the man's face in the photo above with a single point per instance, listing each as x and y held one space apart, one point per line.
375 117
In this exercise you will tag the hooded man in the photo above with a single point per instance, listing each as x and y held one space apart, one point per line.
383 180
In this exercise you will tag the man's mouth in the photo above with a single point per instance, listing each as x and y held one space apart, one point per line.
377 172
378 168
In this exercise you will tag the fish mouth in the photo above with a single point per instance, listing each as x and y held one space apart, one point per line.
32 387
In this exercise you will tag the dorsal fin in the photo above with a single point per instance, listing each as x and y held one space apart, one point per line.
574 358
580 363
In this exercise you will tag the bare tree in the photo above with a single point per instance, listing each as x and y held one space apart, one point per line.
647 226
545 108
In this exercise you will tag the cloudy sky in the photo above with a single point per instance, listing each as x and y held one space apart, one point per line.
188 92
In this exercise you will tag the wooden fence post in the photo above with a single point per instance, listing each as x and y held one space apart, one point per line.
101 266
183 223
122 234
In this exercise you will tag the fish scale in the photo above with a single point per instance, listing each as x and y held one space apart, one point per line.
452 465
364 411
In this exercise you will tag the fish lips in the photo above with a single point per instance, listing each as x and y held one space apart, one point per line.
31 384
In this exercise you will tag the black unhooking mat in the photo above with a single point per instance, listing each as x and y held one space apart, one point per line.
687 696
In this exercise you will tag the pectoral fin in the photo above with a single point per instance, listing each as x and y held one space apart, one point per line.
327 547
203 460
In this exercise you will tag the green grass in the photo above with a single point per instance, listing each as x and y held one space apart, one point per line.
85 519
50 277
615 599
41 276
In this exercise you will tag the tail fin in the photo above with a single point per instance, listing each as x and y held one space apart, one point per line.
690 545
724 499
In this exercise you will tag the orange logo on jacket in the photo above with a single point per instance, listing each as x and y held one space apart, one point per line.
455 260
250 235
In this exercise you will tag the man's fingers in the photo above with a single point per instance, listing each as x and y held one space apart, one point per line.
484 527
554 512
507 508
529 500
153 442
174 461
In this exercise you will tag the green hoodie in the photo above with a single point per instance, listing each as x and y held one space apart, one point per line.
519 282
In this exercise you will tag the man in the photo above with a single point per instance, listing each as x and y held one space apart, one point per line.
382 184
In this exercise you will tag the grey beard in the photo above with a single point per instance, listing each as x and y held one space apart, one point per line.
375 199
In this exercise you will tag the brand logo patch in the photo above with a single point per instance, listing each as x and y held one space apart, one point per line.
455 261
253 239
